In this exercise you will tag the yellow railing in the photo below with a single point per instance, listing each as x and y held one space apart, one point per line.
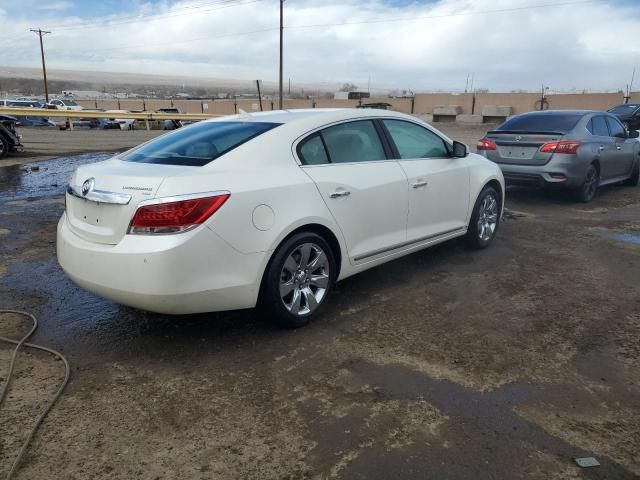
70 114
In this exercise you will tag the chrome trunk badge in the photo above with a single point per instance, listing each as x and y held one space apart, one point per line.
87 186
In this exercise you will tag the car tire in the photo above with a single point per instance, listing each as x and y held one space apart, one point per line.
485 219
4 147
634 179
587 190
293 293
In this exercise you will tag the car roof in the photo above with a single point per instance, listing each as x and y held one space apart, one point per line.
627 105
562 112
311 115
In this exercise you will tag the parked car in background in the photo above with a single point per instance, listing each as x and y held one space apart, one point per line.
25 104
34 122
64 104
628 114
577 149
170 110
271 207
125 123
10 141
170 124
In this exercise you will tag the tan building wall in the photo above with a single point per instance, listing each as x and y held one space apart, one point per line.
422 103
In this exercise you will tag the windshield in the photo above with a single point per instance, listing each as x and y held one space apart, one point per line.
624 109
197 144
70 103
542 122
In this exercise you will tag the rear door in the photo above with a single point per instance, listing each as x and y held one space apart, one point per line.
622 148
365 191
438 183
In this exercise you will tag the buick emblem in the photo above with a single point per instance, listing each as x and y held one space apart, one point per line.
518 138
87 186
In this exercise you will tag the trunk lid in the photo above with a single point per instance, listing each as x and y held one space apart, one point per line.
107 221
521 148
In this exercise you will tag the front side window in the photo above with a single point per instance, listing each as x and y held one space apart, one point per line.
353 142
414 141
615 129
600 126
197 144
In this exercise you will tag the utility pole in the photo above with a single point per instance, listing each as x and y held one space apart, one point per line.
259 94
44 68
281 35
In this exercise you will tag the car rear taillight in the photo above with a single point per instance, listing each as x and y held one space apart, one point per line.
560 147
174 217
486 144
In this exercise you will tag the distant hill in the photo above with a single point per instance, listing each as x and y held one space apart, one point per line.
28 81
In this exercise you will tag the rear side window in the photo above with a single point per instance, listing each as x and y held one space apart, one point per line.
312 152
198 144
599 126
353 142
542 122
615 129
414 141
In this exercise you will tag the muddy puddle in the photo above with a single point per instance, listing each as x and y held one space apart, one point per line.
42 179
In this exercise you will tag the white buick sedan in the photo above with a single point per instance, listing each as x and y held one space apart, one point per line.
270 208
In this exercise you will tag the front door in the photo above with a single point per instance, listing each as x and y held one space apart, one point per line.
438 183
622 149
365 191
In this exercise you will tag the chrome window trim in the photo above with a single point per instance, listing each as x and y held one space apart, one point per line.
100 196
309 133
180 198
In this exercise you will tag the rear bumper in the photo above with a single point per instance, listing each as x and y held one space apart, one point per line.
562 171
192 272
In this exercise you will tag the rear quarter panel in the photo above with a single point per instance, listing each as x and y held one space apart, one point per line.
270 197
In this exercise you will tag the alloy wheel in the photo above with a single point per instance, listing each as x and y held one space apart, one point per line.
304 279
591 183
487 217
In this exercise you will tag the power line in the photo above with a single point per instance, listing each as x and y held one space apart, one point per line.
447 15
173 42
139 17
151 17
397 19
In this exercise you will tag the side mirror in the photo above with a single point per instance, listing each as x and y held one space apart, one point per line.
634 134
460 150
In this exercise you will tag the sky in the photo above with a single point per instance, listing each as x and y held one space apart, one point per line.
427 45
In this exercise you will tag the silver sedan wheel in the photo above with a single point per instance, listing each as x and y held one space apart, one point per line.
304 279
487 218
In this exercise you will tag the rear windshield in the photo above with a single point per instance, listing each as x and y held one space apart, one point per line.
624 109
198 144
542 122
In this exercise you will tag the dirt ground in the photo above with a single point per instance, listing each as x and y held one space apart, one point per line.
447 364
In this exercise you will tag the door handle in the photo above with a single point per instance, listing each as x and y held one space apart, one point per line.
618 147
340 194
420 184
601 147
